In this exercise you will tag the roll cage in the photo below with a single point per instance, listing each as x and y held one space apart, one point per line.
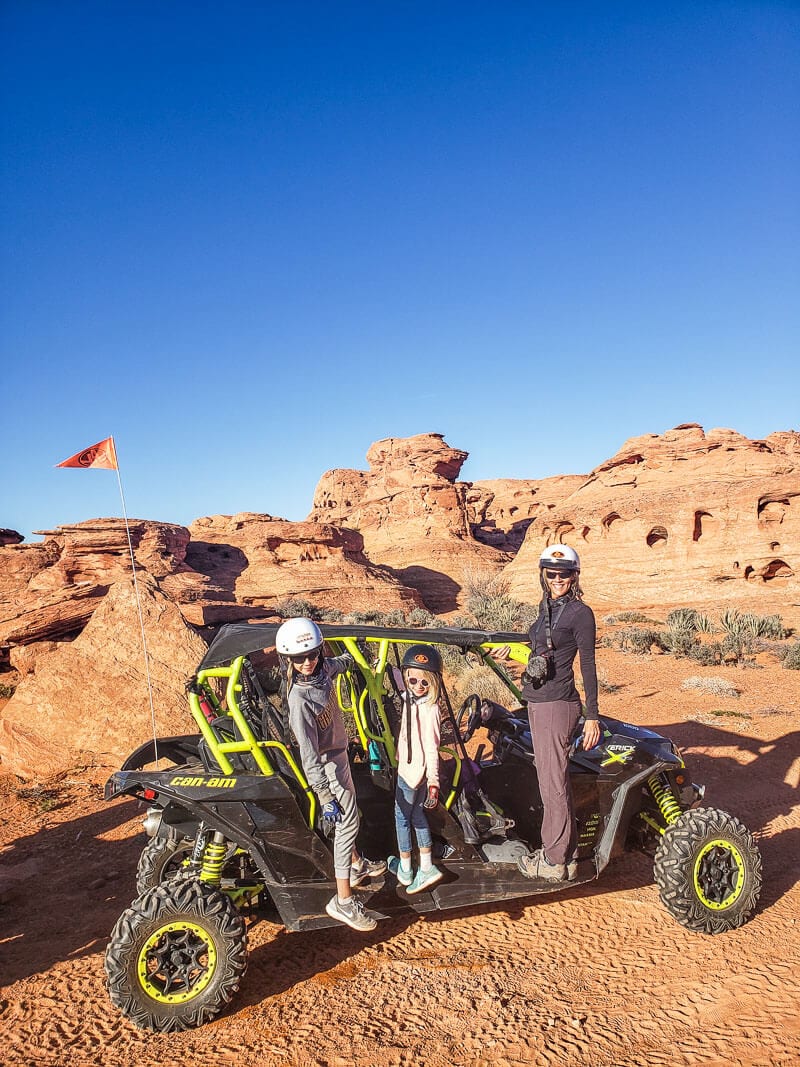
242 729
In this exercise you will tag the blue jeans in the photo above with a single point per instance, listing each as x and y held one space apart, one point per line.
409 812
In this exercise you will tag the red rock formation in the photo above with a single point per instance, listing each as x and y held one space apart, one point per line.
501 510
263 561
88 700
412 514
51 589
682 516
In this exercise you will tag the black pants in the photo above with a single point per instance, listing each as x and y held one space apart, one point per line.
552 726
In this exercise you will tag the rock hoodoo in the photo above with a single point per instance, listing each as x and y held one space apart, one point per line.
412 514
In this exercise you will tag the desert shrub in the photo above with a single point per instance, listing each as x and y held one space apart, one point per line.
746 628
330 615
690 619
7 691
683 619
475 677
791 661
706 655
297 608
770 627
375 617
490 603
421 617
636 639
719 687
629 616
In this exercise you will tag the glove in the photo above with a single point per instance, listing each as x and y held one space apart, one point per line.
433 797
332 812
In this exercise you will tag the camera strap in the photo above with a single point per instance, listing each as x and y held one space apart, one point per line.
547 624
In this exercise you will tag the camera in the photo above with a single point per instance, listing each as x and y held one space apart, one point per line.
536 671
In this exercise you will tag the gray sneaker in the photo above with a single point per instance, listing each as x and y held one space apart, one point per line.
366 869
351 912
538 866
572 870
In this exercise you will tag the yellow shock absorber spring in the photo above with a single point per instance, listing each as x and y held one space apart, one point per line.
213 861
664 797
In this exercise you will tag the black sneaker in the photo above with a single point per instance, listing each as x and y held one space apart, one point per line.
351 912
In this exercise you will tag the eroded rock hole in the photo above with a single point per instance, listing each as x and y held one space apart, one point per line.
657 537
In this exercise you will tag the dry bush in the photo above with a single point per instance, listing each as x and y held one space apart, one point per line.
719 687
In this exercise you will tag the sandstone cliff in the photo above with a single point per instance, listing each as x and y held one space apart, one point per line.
684 516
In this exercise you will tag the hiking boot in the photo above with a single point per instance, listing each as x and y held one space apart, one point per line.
351 912
366 869
424 880
403 877
538 866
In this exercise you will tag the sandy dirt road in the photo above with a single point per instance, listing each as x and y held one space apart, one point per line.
598 975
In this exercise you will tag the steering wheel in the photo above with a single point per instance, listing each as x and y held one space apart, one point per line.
470 711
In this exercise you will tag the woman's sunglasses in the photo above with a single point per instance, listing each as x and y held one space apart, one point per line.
419 681
301 657
553 575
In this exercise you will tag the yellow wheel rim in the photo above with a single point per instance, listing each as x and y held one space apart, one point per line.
719 875
176 963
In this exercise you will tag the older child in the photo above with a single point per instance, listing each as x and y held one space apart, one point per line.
317 723
417 766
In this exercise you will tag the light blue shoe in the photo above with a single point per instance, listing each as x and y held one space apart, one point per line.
424 880
403 877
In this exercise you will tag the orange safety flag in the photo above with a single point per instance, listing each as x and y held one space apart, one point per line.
103 455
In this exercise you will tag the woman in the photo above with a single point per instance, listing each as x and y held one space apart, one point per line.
564 628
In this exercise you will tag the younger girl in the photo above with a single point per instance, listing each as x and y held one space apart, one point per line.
417 766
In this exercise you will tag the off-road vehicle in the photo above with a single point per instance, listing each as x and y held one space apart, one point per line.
235 828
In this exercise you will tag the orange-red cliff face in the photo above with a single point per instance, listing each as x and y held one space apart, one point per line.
682 516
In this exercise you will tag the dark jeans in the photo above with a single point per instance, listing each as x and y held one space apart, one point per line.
552 726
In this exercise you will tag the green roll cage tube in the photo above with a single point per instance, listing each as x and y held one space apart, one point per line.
374 691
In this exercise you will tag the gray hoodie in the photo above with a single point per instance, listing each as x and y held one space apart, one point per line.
317 723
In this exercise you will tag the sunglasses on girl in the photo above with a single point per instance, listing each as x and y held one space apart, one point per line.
553 575
419 681
301 657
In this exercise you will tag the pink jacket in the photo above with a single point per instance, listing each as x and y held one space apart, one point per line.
425 735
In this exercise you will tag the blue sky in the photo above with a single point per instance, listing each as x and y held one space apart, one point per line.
250 239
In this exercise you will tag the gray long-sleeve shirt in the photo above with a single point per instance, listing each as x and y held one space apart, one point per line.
317 723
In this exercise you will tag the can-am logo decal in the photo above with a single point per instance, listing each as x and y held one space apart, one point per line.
209 783
420 657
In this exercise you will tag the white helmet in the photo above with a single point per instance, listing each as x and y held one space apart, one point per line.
560 558
298 635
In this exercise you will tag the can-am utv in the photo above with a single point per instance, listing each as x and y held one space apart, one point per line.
234 825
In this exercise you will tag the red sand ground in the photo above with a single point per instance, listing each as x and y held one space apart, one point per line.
599 975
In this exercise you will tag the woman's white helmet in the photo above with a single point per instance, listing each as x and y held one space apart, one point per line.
298 635
560 558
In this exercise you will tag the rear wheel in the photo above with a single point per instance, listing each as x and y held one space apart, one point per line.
176 956
161 859
708 871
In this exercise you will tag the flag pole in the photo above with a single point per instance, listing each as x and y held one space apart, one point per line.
138 601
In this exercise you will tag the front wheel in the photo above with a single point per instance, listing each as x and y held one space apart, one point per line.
708 871
176 956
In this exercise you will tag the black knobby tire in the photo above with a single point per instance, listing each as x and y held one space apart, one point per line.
176 956
161 859
708 871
